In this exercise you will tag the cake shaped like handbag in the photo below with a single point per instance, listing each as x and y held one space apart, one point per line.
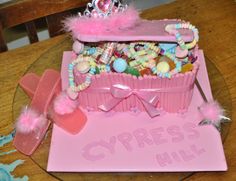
119 63
123 63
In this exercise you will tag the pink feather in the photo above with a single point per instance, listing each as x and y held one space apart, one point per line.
64 105
98 25
29 120
211 111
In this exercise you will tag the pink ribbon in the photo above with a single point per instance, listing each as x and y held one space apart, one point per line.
121 92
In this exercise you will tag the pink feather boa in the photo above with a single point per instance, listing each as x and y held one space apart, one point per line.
98 25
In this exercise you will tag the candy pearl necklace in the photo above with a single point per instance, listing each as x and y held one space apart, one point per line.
143 59
94 52
88 77
141 56
151 46
172 29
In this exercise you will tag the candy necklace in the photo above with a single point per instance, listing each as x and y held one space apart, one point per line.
91 72
140 56
151 46
93 53
172 29
155 69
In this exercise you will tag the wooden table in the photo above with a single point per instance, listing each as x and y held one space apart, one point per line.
216 21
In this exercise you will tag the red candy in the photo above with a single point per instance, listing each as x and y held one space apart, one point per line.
117 54
146 71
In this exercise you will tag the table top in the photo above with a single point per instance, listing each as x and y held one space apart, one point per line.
217 27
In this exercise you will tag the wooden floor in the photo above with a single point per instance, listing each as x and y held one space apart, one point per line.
216 21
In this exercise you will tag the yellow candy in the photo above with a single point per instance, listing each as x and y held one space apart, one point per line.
92 63
163 67
187 67
172 65
168 60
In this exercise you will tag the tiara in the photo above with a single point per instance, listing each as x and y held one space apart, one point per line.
103 8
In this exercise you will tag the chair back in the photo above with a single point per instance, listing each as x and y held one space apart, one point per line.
27 11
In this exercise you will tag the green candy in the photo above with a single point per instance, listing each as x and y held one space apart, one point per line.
97 70
132 71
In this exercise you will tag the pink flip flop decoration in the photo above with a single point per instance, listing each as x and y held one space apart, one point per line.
34 121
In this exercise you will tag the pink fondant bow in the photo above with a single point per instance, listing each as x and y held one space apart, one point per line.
121 92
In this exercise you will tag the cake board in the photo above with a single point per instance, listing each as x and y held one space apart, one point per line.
134 142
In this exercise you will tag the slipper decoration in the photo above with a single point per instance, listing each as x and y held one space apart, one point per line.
28 137
34 120
66 114
212 114
30 120
64 105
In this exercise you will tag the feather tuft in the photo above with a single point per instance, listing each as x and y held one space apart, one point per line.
98 25
30 120
211 111
64 105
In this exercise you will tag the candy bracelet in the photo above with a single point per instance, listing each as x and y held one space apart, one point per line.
172 29
91 68
90 73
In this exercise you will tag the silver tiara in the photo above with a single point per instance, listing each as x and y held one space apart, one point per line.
103 8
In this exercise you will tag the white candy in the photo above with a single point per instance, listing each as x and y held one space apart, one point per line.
83 67
78 47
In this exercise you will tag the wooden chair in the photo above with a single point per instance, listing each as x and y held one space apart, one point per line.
27 11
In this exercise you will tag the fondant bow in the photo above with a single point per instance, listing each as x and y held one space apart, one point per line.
121 92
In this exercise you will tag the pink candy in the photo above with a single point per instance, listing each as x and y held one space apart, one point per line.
181 53
78 47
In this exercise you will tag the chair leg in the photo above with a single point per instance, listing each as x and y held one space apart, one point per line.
3 46
31 31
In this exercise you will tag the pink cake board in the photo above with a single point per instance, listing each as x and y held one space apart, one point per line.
133 142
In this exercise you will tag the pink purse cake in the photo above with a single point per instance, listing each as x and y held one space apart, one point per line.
123 63
119 63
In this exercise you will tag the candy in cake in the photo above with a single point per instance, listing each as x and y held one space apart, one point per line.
120 57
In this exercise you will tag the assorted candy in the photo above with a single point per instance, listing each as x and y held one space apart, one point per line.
135 58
